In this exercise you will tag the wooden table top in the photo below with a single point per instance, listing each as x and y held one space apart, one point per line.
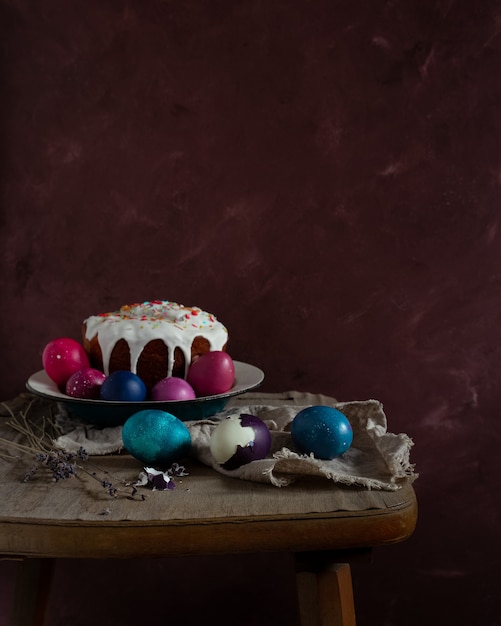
206 513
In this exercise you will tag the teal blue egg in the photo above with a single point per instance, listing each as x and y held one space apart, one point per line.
322 431
156 438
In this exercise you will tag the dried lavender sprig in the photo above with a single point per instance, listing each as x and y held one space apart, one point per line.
109 487
60 463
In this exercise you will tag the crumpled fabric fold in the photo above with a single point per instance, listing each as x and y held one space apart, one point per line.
377 459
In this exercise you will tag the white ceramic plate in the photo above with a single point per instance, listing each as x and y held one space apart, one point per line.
108 413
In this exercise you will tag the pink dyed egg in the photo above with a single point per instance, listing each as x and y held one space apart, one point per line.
172 388
212 373
85 383
63 357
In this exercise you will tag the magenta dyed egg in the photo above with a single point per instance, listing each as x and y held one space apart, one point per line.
85 383
212 373
172 388
63 357
238 440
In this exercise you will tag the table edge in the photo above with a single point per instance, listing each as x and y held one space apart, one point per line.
265 533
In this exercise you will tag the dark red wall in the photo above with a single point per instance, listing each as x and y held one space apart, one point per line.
323 176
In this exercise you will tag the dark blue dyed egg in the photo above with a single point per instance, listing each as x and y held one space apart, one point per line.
123 386
322 431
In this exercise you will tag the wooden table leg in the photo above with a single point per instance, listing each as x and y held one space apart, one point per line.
32 592
325 596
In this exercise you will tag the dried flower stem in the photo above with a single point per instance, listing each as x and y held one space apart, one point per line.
62 464
39 437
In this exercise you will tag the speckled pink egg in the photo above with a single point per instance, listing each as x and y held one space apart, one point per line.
85 383
212 373
63 357
172 388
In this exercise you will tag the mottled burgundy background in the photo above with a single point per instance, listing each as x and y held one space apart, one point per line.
323 176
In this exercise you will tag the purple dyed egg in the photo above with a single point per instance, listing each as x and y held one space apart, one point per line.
240 439
172 388
85 383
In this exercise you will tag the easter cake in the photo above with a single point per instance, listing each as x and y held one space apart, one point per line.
152 339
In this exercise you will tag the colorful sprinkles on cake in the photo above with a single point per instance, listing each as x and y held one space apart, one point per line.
150 320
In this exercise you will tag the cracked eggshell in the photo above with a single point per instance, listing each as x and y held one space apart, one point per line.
240 439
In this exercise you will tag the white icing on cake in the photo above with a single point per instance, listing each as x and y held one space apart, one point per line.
138 324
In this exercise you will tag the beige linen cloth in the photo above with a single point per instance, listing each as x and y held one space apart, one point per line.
377 459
